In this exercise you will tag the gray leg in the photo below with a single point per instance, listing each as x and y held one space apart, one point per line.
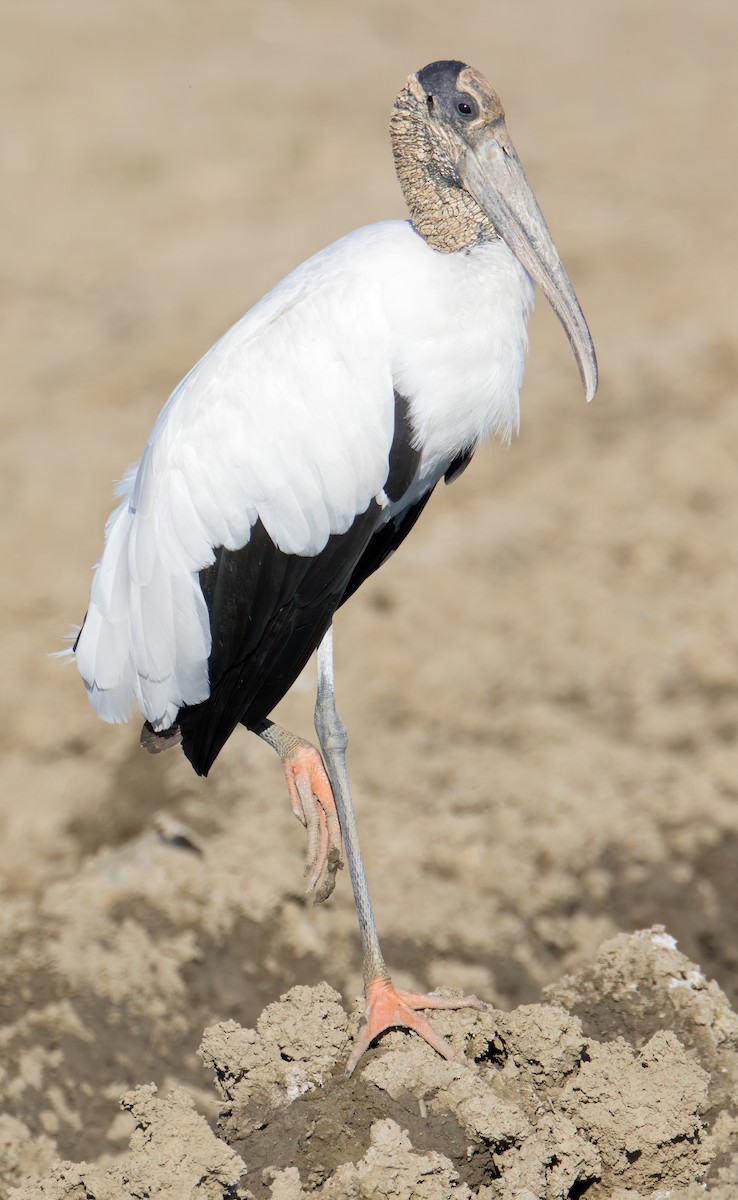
333 741
386 1008
280 739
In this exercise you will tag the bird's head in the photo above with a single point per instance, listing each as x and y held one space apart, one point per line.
463 183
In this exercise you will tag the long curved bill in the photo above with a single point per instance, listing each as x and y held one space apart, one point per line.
493 174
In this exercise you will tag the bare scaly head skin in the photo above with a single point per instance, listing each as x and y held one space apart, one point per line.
464 184
425 147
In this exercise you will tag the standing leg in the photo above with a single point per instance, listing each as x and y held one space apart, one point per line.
386 1008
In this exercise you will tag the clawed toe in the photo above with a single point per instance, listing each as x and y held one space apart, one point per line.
386 1008
312 803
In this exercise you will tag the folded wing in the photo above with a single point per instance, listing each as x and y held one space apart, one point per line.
281 434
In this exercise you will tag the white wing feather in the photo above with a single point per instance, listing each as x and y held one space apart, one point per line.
288 418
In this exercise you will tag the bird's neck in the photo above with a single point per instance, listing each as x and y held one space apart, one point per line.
445 215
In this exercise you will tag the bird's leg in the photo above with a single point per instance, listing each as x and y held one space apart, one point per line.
386 1008
312 803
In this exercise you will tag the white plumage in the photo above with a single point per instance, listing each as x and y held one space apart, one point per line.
289 418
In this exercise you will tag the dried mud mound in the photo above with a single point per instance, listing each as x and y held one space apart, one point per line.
622 1084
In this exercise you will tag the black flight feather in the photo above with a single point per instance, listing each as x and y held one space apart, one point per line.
459 465
269 610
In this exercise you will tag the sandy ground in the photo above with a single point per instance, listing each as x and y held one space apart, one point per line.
540 689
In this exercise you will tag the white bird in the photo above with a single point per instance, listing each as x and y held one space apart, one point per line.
298 453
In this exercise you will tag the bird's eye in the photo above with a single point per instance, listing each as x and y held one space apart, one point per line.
429 102
466 108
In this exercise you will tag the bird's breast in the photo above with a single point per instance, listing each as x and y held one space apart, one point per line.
459 337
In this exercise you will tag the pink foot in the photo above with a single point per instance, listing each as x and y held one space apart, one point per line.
386 1008
311 798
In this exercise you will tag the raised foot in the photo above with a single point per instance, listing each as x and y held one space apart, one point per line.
386 1008
311 798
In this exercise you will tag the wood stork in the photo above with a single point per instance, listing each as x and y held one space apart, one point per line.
299 452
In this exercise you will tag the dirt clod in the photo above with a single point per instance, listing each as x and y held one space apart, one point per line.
548 1113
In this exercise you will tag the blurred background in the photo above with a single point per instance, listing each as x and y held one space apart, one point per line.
540 689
